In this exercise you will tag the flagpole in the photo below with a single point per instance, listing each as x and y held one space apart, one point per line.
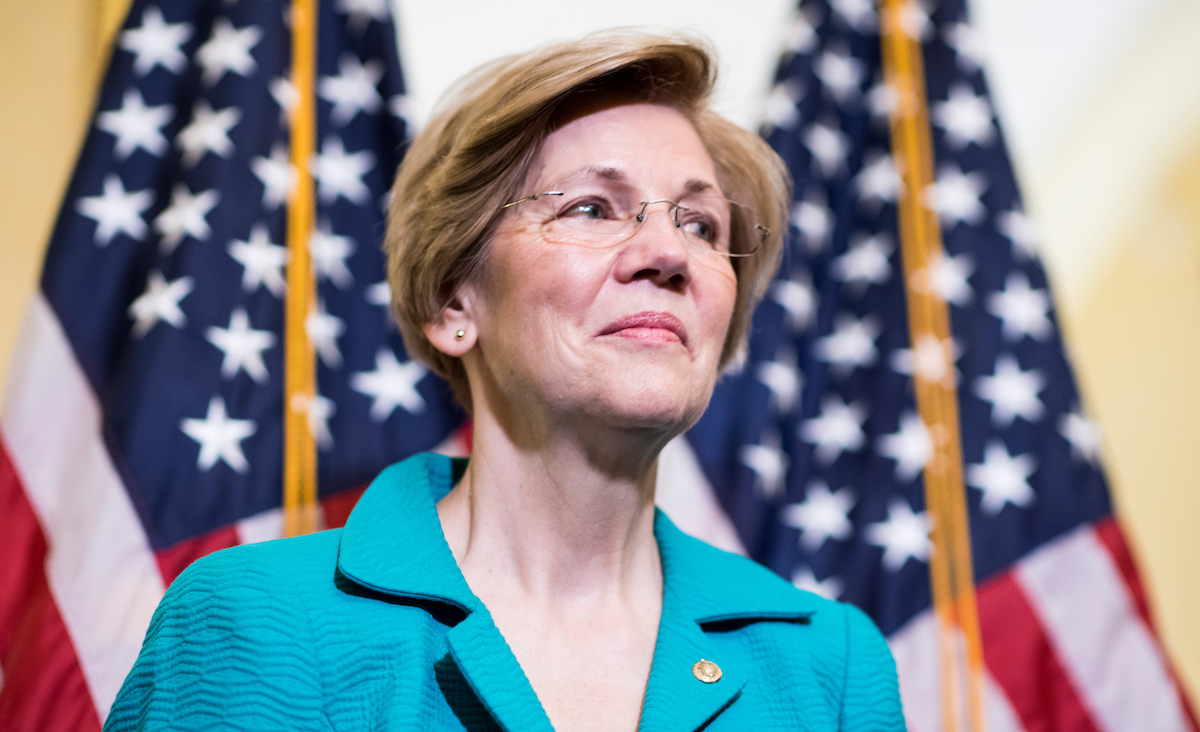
960 651
300 451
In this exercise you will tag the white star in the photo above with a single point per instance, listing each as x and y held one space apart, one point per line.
1012 392
228 50
362 12
136 125
801 36
1022 310
814 220
879 181
858 14
324 330
329 252
910 446
851 344
781 109
392 384
883 99
219 436
400 106
1083 434
1002 478
967 44
965 117
841 73
821 516
320 409
829 588
955 196
930 360
829 146
208 132
836 430
340 174
769 464
262 260
1021 231
796 297
903 536
157 43
285 95
160 301
185 217
948 277
277 176
116 210
784 380
914 20
865 263
379 294
242 345
353 90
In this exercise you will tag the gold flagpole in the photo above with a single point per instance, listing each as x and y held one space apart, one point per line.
960 652
300 450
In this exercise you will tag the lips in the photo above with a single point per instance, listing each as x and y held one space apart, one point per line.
648 325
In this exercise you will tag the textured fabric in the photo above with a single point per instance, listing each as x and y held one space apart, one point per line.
373 627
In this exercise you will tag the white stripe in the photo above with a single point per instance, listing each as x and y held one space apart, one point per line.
99 565
265 526
1104 646
915 649
684 494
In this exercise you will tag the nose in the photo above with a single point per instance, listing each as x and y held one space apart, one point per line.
656 252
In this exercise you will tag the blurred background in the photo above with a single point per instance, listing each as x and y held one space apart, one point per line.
1100 106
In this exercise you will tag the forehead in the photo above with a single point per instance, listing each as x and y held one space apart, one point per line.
653 147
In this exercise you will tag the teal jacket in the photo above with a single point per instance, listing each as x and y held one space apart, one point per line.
372 627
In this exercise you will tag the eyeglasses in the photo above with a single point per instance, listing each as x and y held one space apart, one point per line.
598 212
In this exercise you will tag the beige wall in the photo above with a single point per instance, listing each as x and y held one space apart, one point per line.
1117 190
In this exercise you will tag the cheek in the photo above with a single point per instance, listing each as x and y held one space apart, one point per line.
718 295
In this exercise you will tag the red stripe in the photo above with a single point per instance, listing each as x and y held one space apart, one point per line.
44 688
338 507
1110 535
172 561
1019 655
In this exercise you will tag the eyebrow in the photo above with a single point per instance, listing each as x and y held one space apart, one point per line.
693 185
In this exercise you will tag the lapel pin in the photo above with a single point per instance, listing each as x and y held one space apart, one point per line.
707 671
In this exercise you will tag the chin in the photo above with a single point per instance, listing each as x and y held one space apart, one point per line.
651 401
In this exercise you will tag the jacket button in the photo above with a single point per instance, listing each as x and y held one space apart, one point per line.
707 671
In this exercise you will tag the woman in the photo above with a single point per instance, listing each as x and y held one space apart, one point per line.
576 243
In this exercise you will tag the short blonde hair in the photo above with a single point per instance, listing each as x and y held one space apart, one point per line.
476 152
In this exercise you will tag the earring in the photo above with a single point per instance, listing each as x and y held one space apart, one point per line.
459 335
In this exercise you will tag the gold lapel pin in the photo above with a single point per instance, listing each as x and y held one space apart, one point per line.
707 671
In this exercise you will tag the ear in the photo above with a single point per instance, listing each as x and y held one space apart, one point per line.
456 317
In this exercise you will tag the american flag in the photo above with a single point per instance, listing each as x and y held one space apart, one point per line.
142 424
814 452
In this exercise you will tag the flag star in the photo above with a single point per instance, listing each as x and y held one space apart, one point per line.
160 301
354 89
285 95
1002 478
262 261
116 210
228 51
814 220
801 36
242 345
858 14
1083 434
277 175
157 43
903 536
208 132
821 516
329 252
324 330
781 108
136 125
841 73
399 105
796 298
379 294
219 436
185 217
914 20
392 384
836 430
1012 392
340 174
362 12
966 118
967 44
1021 231
910 446
784 380
851 344
828 146
830 588
769 464
865 262
883 99
930 360
320 409
948 278
1022 310
879 181
955 196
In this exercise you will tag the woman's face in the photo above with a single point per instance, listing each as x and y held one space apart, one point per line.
631 333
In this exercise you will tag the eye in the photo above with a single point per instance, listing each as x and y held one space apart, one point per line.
700 228
590 209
